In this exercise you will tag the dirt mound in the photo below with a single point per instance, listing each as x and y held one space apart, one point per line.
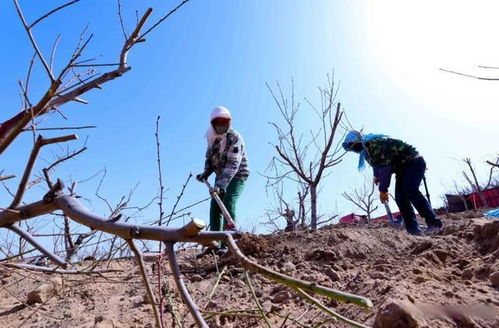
445 280
253 245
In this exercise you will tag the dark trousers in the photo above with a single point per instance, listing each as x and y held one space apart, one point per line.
407 194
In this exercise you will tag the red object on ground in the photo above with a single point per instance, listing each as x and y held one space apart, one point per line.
353 219
491 197
385 217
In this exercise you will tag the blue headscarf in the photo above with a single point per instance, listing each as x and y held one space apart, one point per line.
357 136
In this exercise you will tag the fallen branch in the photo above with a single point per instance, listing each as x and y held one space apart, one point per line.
172 309
27 236
147 283
219 276
258 305
184 293
32 267
328 311
296 283
230 314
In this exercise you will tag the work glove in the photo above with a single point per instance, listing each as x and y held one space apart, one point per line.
375 180
201 177
220 191
383 196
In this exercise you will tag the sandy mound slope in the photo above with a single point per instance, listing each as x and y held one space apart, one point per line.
446 280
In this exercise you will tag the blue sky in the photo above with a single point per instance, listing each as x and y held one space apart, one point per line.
385 55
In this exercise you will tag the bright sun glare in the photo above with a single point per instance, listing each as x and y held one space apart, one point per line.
413 40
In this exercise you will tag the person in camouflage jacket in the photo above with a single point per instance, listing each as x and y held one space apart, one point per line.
387 156
226 157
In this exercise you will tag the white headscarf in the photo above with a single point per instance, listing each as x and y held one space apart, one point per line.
211 135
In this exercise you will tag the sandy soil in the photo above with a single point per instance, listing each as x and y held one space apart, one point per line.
444 280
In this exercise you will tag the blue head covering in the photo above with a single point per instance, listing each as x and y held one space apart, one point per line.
357 136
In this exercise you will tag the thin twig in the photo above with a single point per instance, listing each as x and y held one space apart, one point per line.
173 311
160 175
329 311
51 12
219 276
54 48
31 267
18 255
159 265
27 236
33 41
142 36
141 264
230 314
96 65
28 77
472 76
260 309
121 20
6 177
31 162
160 204
62 128
186 297
178 199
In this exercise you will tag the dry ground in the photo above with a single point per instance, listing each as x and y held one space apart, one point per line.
442 280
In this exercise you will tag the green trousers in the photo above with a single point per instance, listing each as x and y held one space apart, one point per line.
229 198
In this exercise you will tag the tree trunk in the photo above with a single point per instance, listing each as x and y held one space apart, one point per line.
313 206
301 210
465 203
477 185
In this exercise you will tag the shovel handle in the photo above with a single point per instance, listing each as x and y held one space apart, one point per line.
231 225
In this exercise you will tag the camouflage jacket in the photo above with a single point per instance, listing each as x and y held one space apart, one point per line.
387 156
226 156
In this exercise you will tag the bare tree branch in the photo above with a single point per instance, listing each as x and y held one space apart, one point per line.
51 12
472 76
363 198
122 23
147 283
178 199
6 177
33 42
31 162
184 293
496 164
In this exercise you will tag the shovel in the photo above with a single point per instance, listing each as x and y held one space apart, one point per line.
390 215
231 225
389 212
